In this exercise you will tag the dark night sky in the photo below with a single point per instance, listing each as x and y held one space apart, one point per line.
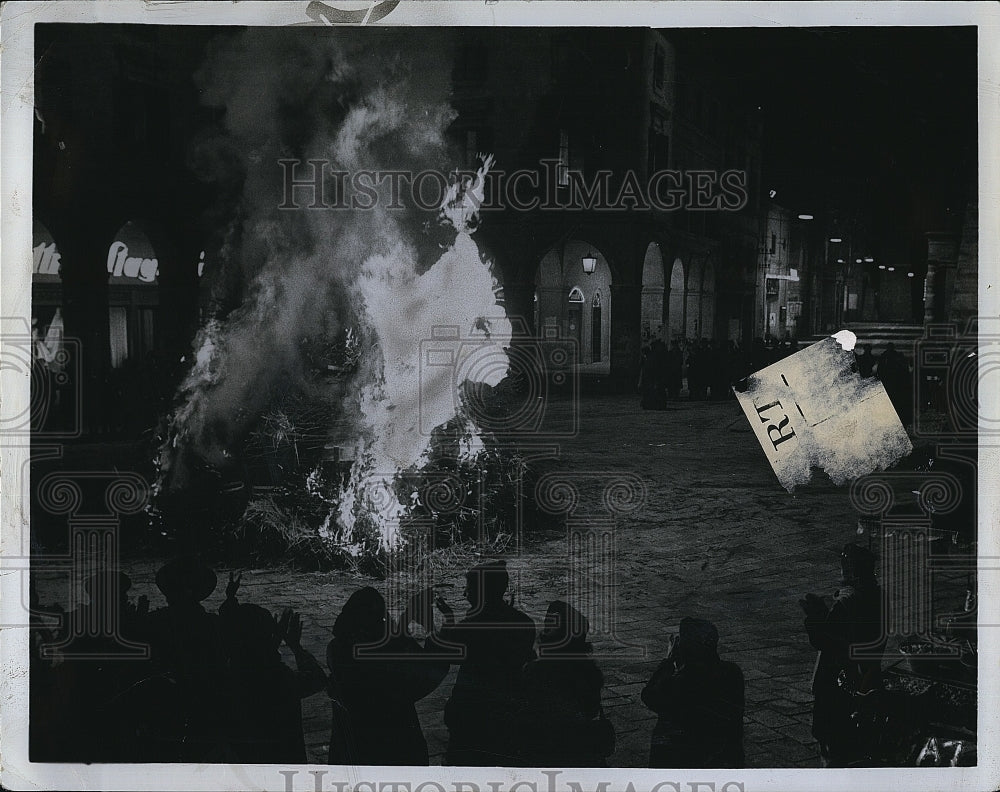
879 122
873 119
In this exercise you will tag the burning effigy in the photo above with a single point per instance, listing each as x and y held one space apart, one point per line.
401 398
345 349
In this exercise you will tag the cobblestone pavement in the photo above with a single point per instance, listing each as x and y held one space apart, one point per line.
717 538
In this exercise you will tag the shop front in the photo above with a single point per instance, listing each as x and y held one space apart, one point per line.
134 333
52 364
133 297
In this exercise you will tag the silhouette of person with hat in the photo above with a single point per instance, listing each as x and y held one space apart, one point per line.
185 698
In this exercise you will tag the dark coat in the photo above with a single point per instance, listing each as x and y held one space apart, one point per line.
855 619
265 712
654 376
866 364
701 710
559 726
495 643
379 694
184 699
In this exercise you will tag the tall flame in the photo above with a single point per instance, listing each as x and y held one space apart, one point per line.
433 333
301 279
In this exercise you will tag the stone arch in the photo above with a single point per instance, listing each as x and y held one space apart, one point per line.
45 254
132 265
83 244
548 294
652 293
559 272
600 281
132 255
46 297
675 300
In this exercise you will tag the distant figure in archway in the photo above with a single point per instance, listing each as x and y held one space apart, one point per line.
719 372
699 368
653 376
675 370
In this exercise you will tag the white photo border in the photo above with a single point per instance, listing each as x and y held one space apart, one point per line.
17 21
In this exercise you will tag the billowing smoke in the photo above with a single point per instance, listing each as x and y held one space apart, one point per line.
358 100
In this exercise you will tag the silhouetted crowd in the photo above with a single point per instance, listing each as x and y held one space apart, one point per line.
183 684
215 687
894 371
709 367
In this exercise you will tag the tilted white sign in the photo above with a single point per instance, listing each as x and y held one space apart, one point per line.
812 410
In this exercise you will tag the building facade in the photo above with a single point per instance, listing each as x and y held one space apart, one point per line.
647 166
118 240
639 158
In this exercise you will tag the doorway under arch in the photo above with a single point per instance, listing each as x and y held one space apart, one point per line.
596 329
566 303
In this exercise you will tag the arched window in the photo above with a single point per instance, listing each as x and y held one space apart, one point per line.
575 295
133 302
595 328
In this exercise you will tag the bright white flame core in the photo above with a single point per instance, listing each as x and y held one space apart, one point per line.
429 330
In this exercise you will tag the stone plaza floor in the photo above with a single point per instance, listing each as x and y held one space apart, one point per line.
716 537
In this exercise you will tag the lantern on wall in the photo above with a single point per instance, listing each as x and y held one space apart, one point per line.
589 263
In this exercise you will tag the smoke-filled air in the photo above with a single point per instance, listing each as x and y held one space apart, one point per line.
389 285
